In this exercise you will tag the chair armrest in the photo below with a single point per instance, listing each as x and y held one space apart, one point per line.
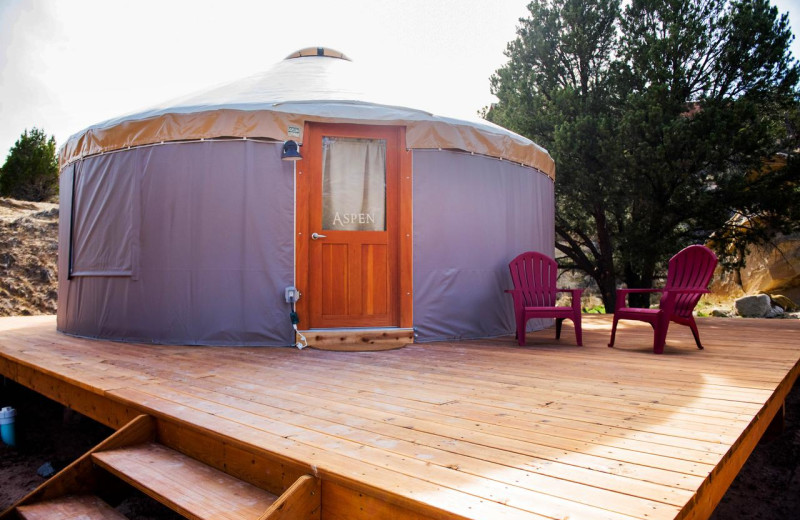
518 301
623 293
576 298
573 291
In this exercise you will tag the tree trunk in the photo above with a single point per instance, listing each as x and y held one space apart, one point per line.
594 257
608 291
605 276
636 280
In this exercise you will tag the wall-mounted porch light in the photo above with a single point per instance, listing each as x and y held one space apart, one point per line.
291 151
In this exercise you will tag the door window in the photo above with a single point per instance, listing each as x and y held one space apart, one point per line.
353 184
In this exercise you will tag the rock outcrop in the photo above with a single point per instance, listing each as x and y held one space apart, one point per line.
774 270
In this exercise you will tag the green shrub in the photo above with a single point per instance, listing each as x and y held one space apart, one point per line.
599 309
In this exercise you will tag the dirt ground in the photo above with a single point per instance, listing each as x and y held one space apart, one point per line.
28 257
768 488
47 432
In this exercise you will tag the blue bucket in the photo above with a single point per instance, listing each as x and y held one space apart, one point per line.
7 415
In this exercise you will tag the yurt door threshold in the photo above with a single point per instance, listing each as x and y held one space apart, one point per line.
356 340
354 235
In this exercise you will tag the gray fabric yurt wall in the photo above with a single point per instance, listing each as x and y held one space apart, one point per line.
472 215
181 224
188 243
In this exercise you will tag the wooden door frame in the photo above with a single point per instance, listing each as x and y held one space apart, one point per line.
403 235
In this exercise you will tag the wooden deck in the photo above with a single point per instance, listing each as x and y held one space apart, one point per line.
474 429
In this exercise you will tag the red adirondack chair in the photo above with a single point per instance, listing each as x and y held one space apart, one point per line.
688 275
534 292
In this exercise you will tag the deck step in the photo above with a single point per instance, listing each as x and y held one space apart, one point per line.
191 488
85 507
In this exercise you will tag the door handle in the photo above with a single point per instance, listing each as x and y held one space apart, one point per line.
317 236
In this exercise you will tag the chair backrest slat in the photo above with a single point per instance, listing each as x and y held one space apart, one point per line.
690 268
534 274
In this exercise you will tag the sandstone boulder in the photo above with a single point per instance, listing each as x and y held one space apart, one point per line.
755 306
784 302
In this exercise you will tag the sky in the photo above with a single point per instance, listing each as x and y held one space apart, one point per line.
67 65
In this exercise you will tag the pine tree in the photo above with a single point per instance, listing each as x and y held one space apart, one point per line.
657 116
31 168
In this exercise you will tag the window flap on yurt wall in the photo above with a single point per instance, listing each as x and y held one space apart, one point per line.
103 216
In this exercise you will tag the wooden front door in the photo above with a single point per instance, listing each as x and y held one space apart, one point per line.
352 225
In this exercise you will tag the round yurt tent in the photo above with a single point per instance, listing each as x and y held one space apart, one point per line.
187 224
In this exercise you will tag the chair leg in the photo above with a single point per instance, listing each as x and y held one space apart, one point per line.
660 335
576 321
521 331
613 331
558 327
695 332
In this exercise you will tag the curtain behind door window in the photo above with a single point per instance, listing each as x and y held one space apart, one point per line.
353 184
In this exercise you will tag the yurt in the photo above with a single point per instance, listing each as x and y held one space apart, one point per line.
298 196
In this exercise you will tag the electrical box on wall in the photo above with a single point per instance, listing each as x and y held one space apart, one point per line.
291 294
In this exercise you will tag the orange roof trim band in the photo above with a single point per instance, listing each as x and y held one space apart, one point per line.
275 125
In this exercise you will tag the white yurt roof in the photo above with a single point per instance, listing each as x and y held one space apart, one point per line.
314 84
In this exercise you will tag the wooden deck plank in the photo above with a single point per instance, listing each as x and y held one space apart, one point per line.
553 403
316 383
402 386
596 422
280 383
528 442
541 432
476 429
464 380
486 490
542 377
449 447
401 377
533 394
